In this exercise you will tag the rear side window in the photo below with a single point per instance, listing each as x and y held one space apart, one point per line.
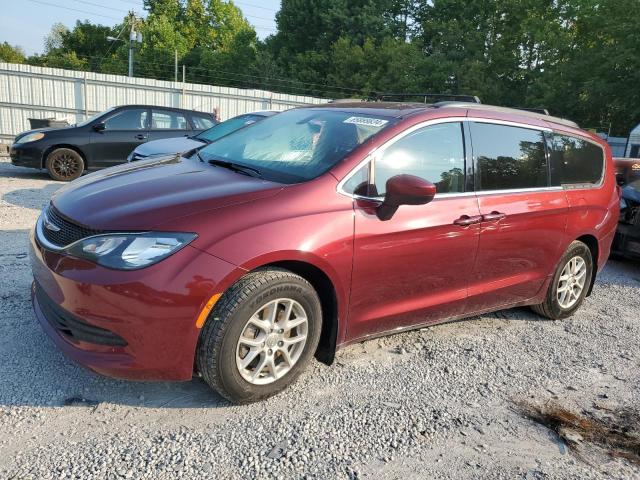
508 157
168 120
575 161
435 153
201 122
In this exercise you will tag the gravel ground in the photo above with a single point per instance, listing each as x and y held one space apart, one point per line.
434 403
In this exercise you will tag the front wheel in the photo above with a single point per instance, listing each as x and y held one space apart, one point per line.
260 335
570 283
64 164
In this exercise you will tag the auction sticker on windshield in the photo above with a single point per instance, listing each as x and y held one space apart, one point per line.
367 121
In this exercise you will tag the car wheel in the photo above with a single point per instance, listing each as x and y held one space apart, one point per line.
64 164
260 335
570 283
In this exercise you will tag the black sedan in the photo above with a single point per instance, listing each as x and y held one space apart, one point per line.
104 140
186 144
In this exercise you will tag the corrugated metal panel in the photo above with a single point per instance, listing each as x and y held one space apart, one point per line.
38 92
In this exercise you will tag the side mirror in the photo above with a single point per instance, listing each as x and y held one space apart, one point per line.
99 127
405 190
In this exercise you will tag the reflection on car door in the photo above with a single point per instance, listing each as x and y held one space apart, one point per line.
524 219
124 130
168 124
414 268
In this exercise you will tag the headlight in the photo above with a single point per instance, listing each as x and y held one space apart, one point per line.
31 137
130 251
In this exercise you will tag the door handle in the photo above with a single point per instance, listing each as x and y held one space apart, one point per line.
141 136
466 220
493 216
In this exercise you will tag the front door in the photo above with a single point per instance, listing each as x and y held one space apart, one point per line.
413 269
524 219
123 132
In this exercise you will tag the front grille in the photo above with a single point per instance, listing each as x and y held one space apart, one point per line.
63 232
71 326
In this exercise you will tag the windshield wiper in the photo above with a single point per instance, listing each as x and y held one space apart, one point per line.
236 167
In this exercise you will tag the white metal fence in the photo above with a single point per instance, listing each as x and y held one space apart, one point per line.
36 92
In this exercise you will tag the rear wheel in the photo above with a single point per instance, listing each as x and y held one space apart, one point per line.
570 283
260 335
64 164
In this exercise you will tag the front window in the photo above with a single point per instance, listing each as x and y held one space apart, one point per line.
435 153
134 119
297 145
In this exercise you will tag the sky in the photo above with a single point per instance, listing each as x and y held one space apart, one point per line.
26 22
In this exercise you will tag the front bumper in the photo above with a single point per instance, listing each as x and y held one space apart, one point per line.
26 155
153 310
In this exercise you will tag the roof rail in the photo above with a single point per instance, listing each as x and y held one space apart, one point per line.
524 112
426 97
543 111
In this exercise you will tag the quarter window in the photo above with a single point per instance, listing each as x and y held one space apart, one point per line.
575 161
168 120
435 153
508 157
134 119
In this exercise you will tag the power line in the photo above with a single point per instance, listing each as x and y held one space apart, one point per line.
86 2
255 6
269 82
74 9
113 42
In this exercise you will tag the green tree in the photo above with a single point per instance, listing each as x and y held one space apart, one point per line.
11 54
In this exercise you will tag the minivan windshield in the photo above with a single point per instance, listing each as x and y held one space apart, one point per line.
296 145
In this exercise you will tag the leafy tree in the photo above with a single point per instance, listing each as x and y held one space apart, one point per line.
11 54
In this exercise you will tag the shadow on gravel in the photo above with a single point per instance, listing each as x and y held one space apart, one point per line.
11 171
612 431
32 198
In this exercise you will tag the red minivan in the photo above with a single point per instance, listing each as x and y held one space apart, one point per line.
316 228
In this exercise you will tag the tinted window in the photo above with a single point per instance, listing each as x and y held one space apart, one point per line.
435 153
508 157
575 161
135 119
167 120
298 144
202 123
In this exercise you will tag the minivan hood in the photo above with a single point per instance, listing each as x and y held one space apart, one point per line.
168 145
141 195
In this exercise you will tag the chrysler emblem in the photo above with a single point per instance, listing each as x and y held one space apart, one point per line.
48 225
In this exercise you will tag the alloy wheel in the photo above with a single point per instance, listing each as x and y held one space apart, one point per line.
571 282
65 165
272 341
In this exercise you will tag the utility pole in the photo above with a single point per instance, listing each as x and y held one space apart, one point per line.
175 61
134 37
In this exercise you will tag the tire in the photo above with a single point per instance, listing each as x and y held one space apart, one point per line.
220 347
553 307
64 164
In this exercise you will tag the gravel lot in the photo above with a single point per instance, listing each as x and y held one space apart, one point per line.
434 403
